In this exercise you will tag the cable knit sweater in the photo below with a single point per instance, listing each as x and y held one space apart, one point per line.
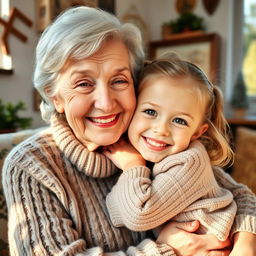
55 191
182 187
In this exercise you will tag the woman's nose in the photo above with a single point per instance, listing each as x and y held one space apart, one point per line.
105 99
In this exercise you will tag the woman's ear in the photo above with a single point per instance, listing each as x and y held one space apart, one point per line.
58 103
202 129
56 100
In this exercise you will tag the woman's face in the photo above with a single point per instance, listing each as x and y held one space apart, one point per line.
97 95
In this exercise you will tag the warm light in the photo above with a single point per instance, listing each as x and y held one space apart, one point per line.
5 62
4 8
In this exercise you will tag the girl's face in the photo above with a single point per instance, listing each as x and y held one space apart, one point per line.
97 95
168 117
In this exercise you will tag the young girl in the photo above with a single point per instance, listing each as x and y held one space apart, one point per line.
178 125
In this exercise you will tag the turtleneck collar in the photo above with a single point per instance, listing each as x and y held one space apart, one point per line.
93 164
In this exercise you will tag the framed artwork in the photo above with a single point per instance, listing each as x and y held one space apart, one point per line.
44 13
47 10
107 5
201 49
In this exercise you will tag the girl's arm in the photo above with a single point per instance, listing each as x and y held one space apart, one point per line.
142 202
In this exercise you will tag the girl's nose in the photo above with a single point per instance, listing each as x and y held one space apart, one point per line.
162 129
105 99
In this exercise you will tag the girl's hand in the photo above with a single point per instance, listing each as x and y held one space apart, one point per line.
185 243
244 244
124 155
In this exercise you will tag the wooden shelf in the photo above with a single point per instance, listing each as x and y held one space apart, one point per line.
248 120
241 119
6 71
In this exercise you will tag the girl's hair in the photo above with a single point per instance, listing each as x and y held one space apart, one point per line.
216 138
76 34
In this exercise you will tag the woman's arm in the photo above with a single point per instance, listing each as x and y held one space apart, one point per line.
245 199
244 227
37 227
244 244
186 243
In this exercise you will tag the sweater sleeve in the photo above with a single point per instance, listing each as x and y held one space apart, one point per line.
37 227
245 199
141 203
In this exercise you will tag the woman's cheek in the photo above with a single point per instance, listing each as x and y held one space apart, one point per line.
78 107
132 106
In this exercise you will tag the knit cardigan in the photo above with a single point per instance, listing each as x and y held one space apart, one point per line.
182 187
55 191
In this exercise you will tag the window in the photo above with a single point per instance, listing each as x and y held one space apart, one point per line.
5 59
249 45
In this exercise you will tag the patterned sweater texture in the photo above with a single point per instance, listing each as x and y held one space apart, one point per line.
56 189
182 187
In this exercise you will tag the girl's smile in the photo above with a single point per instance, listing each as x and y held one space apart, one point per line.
156 145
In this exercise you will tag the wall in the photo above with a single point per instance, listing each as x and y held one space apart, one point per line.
220 22
19 85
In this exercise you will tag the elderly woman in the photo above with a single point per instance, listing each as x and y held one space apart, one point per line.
56 182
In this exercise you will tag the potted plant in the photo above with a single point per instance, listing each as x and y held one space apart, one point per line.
186 22
10 120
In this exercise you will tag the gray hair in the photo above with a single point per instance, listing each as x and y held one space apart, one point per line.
76 34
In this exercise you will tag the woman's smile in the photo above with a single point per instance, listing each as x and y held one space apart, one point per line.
104 121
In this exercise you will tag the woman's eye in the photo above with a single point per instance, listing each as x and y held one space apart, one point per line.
120 83
179 120
150 112
84 84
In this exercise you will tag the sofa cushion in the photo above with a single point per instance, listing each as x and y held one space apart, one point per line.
7 142
244 169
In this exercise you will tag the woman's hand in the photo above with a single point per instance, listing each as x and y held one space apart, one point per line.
185 243
244 244
124 155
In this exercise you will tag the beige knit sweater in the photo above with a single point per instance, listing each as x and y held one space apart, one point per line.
56 190
182 187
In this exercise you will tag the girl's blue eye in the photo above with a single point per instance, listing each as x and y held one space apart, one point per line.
150 112
179 120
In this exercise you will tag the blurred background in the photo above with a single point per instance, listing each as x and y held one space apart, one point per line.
218 34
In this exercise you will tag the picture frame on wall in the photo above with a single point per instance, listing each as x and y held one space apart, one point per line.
201 49
47 10
44 13
107 5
